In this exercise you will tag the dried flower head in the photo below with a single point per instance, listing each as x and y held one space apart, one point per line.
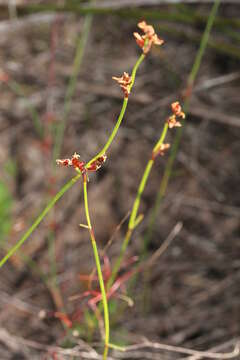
160 150
148 39
172 122
177 113
125 82
177 110
74 161
81 165
95 165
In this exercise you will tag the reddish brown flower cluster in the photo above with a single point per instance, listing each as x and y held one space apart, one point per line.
160 151
177 110
125 83
177 113
148 39
81 165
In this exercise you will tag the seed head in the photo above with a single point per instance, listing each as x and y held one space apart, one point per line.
177 110
74 161
148 39
177 113
81 165
95 165
125 82
160 151
172 122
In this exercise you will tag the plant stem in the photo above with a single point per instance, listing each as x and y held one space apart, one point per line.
121 115
175 146
17 89
67 186
82 41
99 270
133 221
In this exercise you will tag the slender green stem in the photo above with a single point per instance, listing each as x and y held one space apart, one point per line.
175 146
17 89
67 186
71 86
121 115
119 260
133 221
141 188
113 134
162 138
204 42
99 270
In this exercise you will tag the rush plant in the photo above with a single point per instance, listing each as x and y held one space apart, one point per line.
82 168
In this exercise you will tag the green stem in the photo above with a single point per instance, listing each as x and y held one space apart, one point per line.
114 132
141 188
39 219
133 221
99 270
121 115
17 89
71 86
175 146
162 138
204 42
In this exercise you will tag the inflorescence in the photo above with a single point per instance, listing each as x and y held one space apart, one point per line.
177 113
148 39
81 165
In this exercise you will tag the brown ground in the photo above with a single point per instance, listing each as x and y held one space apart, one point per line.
191 295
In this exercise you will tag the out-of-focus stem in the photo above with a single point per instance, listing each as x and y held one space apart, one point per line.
82 41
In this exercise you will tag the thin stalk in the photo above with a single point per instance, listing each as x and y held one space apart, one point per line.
99 270
175 146
121 115
134 218
114 132
204 43
50 205
71 86
17 89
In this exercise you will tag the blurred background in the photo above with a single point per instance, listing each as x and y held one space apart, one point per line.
57 59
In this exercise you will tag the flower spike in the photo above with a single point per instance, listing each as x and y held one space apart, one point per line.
177 113
81 165
95 165
124 81
172 122
160 150
74 161
148 39
177 109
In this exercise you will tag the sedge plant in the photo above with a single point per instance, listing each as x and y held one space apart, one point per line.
82 168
